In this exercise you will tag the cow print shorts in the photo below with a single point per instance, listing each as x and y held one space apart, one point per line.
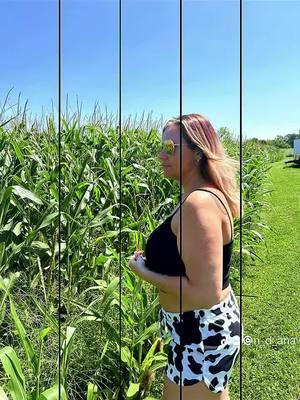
204 344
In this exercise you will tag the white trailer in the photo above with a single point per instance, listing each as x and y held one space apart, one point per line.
296 159
296 149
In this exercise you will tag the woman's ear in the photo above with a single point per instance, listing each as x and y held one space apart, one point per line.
198 155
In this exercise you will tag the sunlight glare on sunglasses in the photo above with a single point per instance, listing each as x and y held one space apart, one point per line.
168 146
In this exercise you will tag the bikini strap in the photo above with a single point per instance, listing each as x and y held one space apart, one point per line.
205 190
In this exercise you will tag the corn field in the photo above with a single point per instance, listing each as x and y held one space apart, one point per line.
92 271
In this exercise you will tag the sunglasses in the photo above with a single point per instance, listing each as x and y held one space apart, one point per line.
169 147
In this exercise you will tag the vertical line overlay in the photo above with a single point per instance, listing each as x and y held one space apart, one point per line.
241 194
59 192
180 163
120 189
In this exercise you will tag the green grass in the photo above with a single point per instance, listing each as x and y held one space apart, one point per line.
271 367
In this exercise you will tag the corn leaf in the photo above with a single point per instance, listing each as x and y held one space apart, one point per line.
26 194
12 368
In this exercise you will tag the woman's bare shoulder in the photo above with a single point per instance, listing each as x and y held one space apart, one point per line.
217 201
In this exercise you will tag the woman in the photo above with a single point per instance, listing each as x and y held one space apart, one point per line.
205 338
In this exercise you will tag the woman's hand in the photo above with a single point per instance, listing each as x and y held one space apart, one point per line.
137 263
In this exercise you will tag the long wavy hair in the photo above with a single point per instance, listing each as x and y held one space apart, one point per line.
215 165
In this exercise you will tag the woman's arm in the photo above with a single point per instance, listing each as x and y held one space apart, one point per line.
202 245
166 283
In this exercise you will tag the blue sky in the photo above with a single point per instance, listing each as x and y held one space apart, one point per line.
150 59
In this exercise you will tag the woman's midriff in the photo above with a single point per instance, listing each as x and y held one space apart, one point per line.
171 303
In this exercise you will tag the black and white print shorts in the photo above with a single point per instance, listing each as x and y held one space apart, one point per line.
204 343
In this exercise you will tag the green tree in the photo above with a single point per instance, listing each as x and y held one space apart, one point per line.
291 137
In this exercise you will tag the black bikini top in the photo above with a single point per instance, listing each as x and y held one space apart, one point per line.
162 255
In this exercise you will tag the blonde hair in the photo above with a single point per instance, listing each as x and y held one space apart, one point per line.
214 165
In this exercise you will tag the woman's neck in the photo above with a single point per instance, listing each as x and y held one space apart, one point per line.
194 184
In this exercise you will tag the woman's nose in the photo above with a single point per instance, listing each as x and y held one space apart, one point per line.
162 155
